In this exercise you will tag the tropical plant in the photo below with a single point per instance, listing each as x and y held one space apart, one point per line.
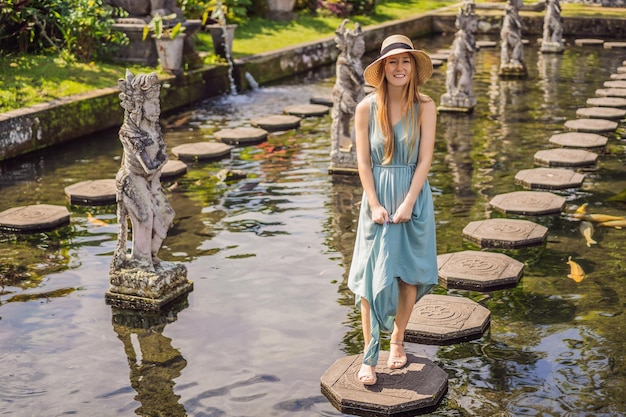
160 27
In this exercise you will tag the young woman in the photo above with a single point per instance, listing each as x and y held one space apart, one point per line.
395 258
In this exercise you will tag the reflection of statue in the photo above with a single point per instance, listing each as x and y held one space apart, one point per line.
460 70
140 197
512 48
552 28
347 93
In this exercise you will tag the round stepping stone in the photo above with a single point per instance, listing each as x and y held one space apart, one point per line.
478 271
608 113
202 151
615 84
242 135
445 51
277 122
591 125
437 62
611 92
33 218
579 140
440 57
443 320
565 157
549 178
306 110
614 45
621 76
93 192
588 42
531 203
323 100
486 44
621 70
414 389
173 168
616 102
505 233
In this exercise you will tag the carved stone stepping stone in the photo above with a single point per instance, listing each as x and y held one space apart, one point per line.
415 389
202 151
444 320
478 271
591 125
621 70
589 42
33 218
612 45
565 157
531 203
92 192
323 100
579 140
608 113
619 76
173 168
440 57
277 122
486 44
549 178
505 233
437 62
611 92
306 110
615 84
616 102
242 135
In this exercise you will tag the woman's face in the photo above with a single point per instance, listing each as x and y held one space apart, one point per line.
398 69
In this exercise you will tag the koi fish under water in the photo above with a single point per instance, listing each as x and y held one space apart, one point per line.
576 271
586 229
618 224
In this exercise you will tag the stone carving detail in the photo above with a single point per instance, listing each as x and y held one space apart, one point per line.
512 48
347 93
460 70
552 28
140 197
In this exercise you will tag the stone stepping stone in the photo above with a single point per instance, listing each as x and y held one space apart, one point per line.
437 62
306 110
591 125
173 168
444 320
277 122
34 218
579 140
608 113
446 51
615 84
549 178
505 233
611 45
241 136
621 70
478 271
589 42
415 389
92 192
202 151
529 203
323 100
621 76
616 102
486 44
565 157
440 57
611 92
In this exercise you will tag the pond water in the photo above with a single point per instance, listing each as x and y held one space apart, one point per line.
270 310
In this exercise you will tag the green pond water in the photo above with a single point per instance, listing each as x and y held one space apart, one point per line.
269 255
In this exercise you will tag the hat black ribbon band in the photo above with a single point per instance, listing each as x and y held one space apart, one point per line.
397 45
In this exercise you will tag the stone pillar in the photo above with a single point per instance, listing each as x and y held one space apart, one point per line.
552 41
512 48
348 91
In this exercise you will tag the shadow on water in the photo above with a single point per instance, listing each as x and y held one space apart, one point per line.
269 257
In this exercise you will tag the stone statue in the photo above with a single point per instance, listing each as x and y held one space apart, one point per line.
460 70
512 48
140 197
552 28
348 91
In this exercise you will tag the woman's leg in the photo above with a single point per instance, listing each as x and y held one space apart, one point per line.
366 374
406 301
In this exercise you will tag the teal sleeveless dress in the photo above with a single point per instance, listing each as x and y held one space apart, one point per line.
385 253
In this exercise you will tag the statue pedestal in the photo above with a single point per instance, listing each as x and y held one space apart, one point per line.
513 70
552 47
343 163
457 103
136 288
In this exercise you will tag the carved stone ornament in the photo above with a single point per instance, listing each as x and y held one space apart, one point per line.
512 48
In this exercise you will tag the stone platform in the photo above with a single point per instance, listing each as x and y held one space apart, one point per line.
202 151
415 389
565 157
601 112
241 136
277 123
37 217
307 110
92 192
591 125
505 233
478 270
617 102
549 178
533 203
580 140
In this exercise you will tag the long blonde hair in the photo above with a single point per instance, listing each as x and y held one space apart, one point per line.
410 96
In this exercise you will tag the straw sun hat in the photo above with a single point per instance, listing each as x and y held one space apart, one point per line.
394 45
